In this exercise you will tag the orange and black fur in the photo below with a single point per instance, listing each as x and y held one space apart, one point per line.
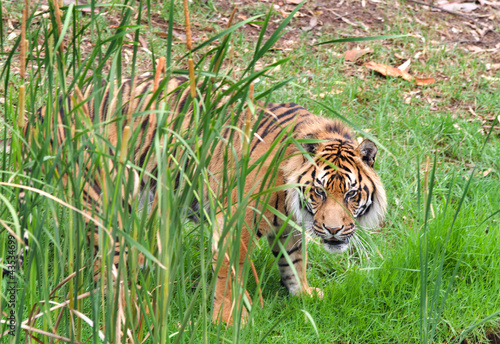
338 188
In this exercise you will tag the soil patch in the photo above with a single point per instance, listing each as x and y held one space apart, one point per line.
369 18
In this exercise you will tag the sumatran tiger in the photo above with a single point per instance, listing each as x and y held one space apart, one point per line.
333 187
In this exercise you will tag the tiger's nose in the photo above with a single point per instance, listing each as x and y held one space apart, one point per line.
334 230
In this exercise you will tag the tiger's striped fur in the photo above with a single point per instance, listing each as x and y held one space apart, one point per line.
337 185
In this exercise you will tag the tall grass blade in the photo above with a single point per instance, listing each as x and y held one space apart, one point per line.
361 39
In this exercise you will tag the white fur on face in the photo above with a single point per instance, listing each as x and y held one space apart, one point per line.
335 248
321 177
301 216
375 214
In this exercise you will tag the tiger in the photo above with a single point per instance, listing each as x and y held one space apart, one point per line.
325 182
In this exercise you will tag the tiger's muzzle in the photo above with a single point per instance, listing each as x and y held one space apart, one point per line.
333 231
338 238
335 242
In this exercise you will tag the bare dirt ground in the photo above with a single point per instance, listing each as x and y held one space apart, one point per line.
369 17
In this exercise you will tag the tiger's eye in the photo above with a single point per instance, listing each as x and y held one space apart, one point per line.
320 192
351 194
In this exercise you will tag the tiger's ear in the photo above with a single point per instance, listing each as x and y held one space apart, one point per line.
310 147
368 150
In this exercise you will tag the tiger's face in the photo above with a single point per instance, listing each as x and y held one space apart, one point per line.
338 191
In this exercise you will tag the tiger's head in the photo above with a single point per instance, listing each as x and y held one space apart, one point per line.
339 188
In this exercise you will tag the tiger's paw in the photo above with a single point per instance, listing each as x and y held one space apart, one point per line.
225 313
311 291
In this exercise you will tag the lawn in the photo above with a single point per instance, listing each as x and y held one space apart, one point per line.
430 274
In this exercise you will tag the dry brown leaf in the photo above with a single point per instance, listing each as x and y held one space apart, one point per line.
424 81
179 35
353 55
293 2
161 34
485 173
388 70
392 71
474 49
243 17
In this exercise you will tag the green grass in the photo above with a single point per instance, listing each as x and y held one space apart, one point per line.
383 295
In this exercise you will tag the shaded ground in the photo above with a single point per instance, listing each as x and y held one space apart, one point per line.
493 338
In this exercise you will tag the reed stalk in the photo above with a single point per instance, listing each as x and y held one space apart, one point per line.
189 44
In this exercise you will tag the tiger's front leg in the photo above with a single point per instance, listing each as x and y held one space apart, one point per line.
295 279
225 306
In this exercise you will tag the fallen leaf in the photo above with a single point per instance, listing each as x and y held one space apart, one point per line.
405 67
392 71
243 17
464 7
179 35
353 55
312 23
161 34
424 81
388 70
485 173
293 2
474 49
143 42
